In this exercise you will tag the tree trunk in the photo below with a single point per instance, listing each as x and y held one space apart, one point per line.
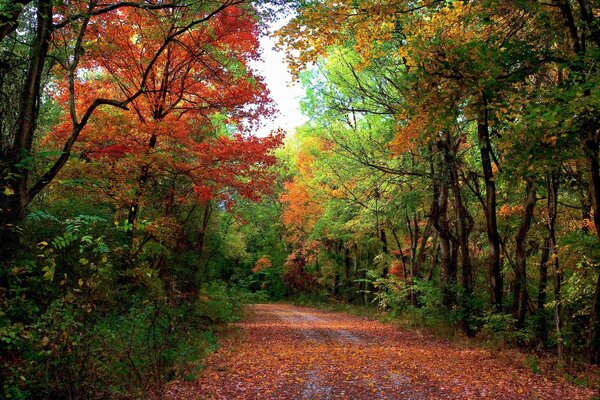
142 179
541 329
409 279
427 232
347 263
14 183
203 228
384 242
520 284
464 225
448 268
494 267
552 184
594 340
588 137
591 150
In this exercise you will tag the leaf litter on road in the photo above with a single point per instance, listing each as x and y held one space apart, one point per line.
289 352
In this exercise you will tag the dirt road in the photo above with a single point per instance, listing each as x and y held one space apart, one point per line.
288 352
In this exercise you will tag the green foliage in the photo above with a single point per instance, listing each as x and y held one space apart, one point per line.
500 330
73 324
533 363
151 344
391 294
269 282
219 303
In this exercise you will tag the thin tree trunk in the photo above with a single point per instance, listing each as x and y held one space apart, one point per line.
203 228
594 340
552 184
520 283
142 179
542 330
409 279
427 232
494 267
448 268
464 226
591 150
384 242
588 137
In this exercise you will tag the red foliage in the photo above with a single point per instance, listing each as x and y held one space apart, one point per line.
397 269
195 93
295 276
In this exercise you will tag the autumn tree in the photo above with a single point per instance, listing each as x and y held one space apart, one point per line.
56 35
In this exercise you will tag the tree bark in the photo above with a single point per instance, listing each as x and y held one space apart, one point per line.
384 242
591 152
15 178
552 184
542 330
591 145
494 267
448 267
520 283
464 224
588 136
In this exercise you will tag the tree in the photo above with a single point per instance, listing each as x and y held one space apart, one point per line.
455 77
60 32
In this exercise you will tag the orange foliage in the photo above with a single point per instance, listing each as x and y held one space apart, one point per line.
508 210
262 263
301 212
406 136
397 269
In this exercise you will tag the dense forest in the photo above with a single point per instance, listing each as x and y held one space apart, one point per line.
448 173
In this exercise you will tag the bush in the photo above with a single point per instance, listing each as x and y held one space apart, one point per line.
75 326
152 344
501 331
219 303
268 281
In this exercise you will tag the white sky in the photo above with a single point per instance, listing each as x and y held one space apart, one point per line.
285 93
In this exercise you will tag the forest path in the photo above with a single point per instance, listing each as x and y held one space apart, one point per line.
289 352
